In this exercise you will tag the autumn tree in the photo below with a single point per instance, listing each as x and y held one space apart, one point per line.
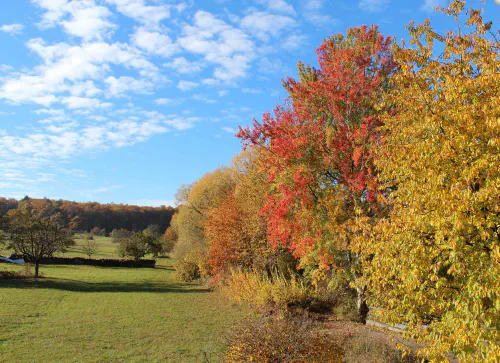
195 201
107 217
169 239
118 234
435 263
317 150
136 246
36 231
235 230
153 235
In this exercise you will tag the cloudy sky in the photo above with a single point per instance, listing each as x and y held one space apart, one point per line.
124 100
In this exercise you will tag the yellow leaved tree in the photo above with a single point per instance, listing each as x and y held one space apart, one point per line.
434 264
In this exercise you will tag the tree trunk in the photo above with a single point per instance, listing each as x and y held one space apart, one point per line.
362 305
37 265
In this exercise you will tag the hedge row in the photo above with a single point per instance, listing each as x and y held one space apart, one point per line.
92 262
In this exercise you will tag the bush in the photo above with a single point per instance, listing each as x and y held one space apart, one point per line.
26 273
261 291
280 340
186 271
364 349
345 307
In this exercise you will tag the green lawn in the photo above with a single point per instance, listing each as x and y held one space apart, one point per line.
107 249
89 314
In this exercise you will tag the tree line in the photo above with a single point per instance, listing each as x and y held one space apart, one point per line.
381 171
104 218
38 228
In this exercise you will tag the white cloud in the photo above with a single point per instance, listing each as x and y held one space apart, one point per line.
81 18
219 43
372 5
66 66
321 20
315 15
73 102
154 202
103 189
212 82
121 85
4 68
166 101
186 85
182 65
203 98
429 5
149 15
280 6
181 124
252 90
154 42
230 130
313 4
12 28
269 66
262 24
294 41
223 93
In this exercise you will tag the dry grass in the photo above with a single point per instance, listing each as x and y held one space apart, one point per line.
261 291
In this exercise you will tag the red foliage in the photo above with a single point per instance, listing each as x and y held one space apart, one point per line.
318 143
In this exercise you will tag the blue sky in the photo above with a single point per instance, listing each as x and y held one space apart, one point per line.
125 100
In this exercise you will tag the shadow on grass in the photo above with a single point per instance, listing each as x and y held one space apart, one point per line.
83 286
167 268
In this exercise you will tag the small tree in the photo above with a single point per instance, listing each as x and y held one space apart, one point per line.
89 246
135 246
169 240
153 235
36 233
97 231
118 234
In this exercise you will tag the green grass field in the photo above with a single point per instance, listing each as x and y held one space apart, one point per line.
107 249
92 314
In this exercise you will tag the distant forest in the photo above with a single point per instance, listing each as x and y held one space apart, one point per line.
87 216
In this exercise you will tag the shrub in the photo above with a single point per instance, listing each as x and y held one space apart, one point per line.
261 291
28 269
366 349
26 273
345 307
186 271
280 340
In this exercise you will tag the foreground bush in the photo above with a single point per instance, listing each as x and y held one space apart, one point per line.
363 349
261 291
280 340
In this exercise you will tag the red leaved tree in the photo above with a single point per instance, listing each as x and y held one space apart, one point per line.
318 149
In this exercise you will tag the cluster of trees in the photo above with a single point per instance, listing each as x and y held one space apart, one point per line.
138 244
382 170
38 228
101 218
219 224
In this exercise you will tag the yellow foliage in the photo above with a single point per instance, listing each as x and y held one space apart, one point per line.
260 290
436 260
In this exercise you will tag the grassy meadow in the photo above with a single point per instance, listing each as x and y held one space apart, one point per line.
92 314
